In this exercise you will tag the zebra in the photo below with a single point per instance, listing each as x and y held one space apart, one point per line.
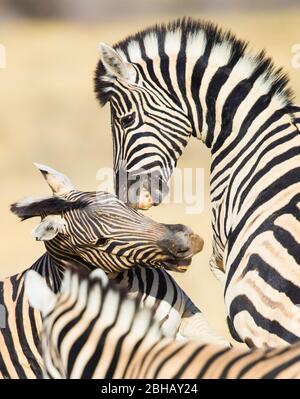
190 78
91 329
96 230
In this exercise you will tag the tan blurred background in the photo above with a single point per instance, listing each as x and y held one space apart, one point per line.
49 113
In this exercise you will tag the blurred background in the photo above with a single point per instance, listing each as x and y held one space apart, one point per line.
49 114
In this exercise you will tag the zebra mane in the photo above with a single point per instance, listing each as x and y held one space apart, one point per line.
31 207
199 35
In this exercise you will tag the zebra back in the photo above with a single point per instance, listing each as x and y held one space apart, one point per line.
93 330
20 355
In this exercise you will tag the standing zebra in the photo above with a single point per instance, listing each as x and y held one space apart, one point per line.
96 230
91 329
190 78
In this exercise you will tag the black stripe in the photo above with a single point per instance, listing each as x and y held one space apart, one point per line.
273 278
34 331
162 286
3 370
188 361
214 87
167 358
6 333
210 361
180 72
282 367
256 154
228 367
278 185
95 359
135 350
241 303
22 334
288 242
227 150
264 355
277 160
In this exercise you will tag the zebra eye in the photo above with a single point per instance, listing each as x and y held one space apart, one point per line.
127 120
102 241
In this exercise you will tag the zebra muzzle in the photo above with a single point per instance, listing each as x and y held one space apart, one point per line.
145 200
182 246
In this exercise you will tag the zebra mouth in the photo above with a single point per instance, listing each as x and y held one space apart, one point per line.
177 265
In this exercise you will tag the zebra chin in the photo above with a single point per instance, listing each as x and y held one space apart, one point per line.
179 266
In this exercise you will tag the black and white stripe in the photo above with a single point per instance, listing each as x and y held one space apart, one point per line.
93 330
191 79
93 230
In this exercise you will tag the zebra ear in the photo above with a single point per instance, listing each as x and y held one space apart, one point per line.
58 182
49 227
39 294
115 66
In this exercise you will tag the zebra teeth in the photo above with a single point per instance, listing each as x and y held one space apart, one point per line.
178 265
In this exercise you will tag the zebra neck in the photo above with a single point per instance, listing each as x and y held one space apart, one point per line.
220 120
222 101
49 269
239 137
63 255
52 268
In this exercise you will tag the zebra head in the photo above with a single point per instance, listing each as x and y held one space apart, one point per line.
150 124
169 82
98 229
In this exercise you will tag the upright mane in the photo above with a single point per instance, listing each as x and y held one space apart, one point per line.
203 38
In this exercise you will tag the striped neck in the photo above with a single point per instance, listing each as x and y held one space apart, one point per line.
225 95
62 255
52 268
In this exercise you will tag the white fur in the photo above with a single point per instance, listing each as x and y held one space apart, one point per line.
172 42
220 54
100 275
195 45
151 45
134 51
245 66
29 200
39 294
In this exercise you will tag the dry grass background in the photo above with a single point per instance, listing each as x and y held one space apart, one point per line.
49 114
